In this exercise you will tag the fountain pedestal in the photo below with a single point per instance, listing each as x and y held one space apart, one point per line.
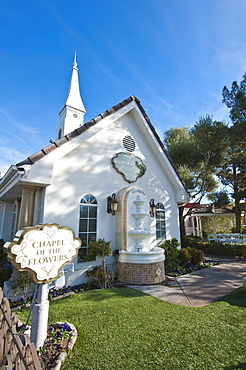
141 268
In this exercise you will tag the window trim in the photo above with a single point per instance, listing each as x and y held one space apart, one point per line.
88 201
160 209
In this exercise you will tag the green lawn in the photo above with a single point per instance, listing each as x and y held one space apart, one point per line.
126 329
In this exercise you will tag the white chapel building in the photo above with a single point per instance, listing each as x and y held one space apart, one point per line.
101 178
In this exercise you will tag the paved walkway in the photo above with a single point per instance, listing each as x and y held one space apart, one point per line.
201 287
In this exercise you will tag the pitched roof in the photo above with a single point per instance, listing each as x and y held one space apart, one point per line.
56 144
209 208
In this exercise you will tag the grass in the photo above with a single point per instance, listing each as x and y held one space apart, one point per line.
126 329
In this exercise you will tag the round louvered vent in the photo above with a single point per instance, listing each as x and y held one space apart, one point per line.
129 143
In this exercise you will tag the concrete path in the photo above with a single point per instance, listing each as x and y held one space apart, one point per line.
202 287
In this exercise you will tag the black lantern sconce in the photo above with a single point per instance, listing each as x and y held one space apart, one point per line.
112 204
152 206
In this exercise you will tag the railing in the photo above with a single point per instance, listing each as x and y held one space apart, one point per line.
16 351
232 238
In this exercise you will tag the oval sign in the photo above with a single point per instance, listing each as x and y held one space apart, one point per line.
43 250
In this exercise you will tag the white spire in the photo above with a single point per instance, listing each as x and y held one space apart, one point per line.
73 97
72 114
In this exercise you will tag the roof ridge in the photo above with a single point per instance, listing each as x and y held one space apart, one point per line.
57 143
78 131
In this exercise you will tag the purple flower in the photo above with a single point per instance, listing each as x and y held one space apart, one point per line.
65 327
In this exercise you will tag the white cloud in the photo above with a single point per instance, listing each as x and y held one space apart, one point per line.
8 157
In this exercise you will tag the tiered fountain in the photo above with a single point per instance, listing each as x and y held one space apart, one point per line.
141 262
139 233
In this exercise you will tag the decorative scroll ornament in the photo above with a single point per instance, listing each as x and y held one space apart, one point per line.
129 166
43 250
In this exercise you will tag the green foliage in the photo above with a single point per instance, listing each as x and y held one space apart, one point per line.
6 268
171 254
235 99
4 276
220 249
198 152
219 199
190 255
3 255
101 279
58 332
184 257
196 256
20 285
233 171
191 241
98 248
97 276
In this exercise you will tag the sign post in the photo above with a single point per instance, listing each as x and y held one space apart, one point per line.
40 315
42 251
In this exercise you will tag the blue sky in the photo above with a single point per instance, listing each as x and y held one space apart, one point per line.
174 55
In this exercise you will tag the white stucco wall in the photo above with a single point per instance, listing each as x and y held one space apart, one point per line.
83 166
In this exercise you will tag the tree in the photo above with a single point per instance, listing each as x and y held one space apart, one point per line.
100 248
220 199
233 171
197 152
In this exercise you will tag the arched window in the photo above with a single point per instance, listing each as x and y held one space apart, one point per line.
160 222
87 224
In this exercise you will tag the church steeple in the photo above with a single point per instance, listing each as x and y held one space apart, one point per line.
72 114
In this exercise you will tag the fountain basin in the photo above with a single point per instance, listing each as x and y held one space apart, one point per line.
153 256
140 233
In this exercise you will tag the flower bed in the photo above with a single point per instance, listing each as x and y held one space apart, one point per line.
53 294
60 338
191 268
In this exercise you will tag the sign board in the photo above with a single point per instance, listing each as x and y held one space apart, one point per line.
43 250
129 166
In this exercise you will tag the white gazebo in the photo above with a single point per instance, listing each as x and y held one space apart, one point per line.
194 224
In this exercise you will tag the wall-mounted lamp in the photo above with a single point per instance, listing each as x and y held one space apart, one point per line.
112 204
152 208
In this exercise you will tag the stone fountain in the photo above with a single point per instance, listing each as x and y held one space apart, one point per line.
140 261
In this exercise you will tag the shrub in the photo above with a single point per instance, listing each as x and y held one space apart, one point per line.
97 275
184 257
171 254
20 285
4 276
101 279
220 249
5 267
196 256
98 248
190 241
190 255
3 255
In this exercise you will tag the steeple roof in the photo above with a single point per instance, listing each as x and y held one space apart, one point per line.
73 97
